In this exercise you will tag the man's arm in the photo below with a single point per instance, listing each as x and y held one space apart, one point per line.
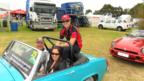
72 41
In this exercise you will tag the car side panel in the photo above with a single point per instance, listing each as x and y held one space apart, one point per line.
99 66
12 73
79 72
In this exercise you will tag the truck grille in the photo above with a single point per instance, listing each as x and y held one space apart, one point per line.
46 19
44 23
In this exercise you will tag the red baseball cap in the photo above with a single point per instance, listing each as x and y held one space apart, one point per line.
65 18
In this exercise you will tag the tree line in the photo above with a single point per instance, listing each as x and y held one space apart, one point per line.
136 12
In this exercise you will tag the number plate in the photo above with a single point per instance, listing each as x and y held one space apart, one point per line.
123 54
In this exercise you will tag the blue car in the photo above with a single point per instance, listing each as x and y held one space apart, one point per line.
20 62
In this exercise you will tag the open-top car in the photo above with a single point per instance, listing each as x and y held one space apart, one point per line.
20 62
129 47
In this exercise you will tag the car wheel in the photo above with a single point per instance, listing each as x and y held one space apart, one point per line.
119 28
100 27
90 79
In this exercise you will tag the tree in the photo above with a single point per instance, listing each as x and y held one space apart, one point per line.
109 9
126 11
96 12
117 11
137 11
141 24
88 11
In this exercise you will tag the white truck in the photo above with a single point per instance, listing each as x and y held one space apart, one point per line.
119 25
40 14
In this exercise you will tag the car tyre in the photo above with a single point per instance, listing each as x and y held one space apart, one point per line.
119 28
100 26
91 79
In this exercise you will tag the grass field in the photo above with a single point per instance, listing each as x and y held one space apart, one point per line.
95 42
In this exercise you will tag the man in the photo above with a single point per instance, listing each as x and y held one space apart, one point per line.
45 55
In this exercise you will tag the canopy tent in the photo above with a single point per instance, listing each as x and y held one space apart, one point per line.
3 12
3 15
19 11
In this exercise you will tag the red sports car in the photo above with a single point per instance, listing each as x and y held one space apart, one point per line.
129 47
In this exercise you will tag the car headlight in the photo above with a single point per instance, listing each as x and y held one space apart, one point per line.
113 44
142 50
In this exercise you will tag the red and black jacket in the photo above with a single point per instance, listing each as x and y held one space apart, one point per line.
72 32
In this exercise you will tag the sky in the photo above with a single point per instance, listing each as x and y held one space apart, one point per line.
88 4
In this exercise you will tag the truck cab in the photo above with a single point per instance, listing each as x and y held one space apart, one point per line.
40 14
74 9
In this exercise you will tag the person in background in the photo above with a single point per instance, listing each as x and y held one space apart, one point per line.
73 36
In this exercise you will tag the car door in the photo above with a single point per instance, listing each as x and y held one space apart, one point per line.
107 23
64 75
75 73
113 24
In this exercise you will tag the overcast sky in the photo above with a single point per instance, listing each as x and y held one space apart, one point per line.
88 4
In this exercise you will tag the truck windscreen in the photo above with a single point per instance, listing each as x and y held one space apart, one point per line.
44 8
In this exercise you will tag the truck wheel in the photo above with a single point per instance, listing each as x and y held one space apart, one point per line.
31 26
119 28
100 27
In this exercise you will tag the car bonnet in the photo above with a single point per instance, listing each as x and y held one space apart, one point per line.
8 72
130 43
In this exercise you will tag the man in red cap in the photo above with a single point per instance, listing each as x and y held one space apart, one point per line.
72 35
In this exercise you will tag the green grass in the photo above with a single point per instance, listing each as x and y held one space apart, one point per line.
95 42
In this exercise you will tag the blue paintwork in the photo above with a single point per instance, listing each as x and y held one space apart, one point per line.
8 72
27 9
59 13
67 7
95 66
